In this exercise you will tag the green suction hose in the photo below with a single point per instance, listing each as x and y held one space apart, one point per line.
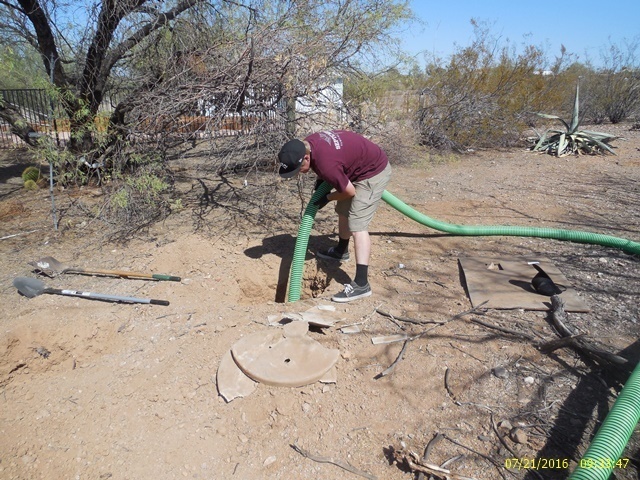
302 241
557 234
608 444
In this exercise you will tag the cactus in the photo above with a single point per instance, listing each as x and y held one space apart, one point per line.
31 173
31 185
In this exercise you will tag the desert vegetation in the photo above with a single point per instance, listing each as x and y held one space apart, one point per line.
135 86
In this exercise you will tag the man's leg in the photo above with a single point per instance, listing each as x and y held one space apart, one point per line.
343 228
341 251
359 287
362 244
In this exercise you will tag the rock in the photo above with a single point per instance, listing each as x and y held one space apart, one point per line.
519 436
500 372
505 424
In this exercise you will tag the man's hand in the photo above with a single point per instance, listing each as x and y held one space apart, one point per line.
322 201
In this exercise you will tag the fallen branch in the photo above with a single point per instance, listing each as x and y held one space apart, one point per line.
504 330
425 322
559 317
407 320
427 452
448 388
498 466
454 397
392 367
420 335
18 234
338 463
580 343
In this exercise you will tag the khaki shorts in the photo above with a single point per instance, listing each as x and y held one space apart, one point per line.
360 209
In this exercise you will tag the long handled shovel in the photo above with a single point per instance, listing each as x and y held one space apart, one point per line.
32 287
52 267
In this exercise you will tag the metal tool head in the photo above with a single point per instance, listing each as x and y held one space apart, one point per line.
48 266
29 287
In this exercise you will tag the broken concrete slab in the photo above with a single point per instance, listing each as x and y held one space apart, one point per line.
331 376
351 329
323 316
399 337
231 381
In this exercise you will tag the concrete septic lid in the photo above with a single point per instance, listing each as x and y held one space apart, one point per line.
284 358
231 381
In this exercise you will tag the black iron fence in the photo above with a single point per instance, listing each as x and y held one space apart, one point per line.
47 118
35 106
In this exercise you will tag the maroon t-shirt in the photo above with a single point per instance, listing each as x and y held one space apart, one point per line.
340 156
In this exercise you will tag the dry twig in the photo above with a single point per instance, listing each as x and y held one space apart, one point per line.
407 320
427 452
581 343
419 335
338 463
495 463
455 399
392 367
414 462
504 330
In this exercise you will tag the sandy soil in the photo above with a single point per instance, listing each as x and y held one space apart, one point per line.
98 390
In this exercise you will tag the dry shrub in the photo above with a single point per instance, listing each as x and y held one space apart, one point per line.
484 96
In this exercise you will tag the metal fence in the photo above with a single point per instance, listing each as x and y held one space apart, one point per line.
47 118
37 109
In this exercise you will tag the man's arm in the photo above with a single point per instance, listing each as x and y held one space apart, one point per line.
349 192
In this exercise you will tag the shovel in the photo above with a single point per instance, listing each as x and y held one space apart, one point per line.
52 267
32 287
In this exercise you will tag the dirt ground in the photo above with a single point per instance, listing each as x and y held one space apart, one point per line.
100 390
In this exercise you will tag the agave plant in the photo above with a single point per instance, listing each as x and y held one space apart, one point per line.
572 140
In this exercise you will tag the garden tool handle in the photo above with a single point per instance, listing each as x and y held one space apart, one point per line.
101 296
155 276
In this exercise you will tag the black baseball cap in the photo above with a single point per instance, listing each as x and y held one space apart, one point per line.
291 156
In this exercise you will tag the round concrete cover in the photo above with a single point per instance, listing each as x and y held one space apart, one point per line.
286 358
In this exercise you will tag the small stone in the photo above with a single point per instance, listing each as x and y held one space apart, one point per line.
519 436
500 372
285 406
529 380
269 460
505 424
